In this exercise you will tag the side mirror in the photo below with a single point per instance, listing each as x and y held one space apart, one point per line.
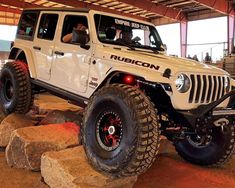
136 39
85 46
164 47
80 37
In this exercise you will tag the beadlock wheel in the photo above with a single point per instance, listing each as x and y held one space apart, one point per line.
109 130
120 131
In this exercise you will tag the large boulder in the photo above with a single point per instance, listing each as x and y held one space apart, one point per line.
28 144
69 168
58 117
45 103
11 123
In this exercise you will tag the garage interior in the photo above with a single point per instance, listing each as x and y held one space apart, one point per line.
169 170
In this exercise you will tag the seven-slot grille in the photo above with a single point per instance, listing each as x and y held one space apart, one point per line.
206 88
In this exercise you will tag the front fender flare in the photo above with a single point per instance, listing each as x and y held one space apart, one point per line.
29 58
151 76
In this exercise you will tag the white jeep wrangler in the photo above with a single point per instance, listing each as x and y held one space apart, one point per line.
116 67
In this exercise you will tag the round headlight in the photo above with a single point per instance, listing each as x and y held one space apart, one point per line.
182 83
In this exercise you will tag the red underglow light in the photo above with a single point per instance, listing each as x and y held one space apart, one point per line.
129 79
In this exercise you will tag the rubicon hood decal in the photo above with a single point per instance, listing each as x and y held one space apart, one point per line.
135 62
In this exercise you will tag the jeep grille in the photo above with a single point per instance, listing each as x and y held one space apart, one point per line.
206 88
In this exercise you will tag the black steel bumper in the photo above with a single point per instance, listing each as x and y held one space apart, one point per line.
204 111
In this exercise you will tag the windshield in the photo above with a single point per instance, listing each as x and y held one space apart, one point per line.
127 33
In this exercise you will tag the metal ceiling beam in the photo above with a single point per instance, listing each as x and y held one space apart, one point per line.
10 10
222 6
19 4
75 3
6 20
159 9
7 23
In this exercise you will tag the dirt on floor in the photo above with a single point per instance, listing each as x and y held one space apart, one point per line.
18 178
169 170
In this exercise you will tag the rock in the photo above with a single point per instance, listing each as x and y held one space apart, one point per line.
58 117
28 144
11 123
2 115
69 168
44 103
165 145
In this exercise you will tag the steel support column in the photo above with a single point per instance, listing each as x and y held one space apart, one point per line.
183 38
230 24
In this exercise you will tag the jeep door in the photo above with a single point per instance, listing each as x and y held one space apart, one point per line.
70 69
43 44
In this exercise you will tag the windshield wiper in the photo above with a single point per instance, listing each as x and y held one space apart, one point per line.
133 48
126 44
155 50
152 48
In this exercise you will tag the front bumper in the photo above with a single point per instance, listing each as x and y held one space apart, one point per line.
204 111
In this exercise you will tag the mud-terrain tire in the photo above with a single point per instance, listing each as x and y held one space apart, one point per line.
120 131
15 88
216 153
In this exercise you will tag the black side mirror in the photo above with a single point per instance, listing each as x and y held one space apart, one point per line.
85 46
80 37
136 39
164 47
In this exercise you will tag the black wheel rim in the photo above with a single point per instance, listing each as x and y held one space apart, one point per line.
8 89
109 131
200 141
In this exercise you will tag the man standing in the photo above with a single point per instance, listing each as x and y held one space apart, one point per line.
207 58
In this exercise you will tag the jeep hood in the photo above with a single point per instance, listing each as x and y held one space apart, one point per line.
166 62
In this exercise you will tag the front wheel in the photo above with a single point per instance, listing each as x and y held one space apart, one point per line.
213 149
120 131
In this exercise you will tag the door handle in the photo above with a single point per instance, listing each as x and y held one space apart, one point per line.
59 53
36 47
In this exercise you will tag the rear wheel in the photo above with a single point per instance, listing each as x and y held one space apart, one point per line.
15 88
120 131
215 148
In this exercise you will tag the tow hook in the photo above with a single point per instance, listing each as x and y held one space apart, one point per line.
221 122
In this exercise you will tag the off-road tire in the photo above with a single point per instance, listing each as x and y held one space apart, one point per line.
15 88
216 153
140 140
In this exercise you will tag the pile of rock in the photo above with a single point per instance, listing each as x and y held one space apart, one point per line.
27 144
52 146
69 168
